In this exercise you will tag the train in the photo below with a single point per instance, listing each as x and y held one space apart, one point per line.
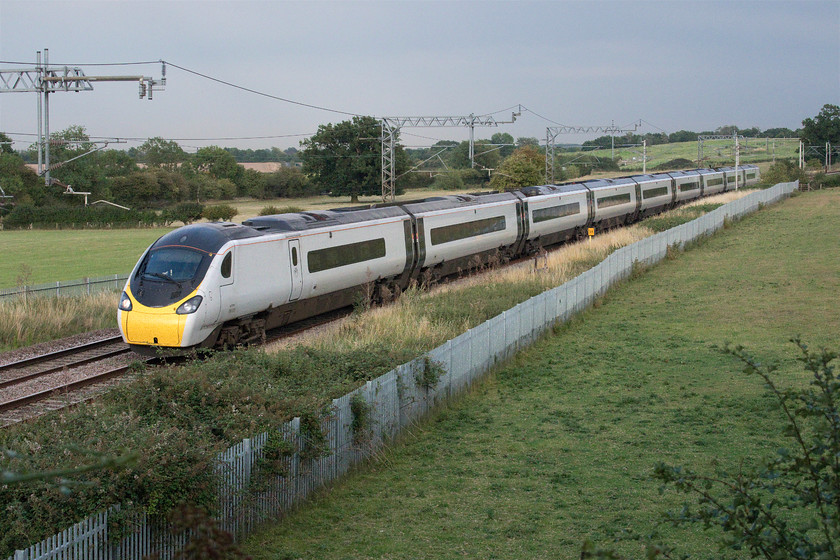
221 284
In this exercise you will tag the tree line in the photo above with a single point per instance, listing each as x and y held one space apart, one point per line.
341 159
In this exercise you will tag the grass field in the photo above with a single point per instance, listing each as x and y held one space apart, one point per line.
718 152
559 445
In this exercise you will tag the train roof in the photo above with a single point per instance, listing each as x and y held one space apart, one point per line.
207 237
689 173
456 201
302 221
602 183
650 177
553 189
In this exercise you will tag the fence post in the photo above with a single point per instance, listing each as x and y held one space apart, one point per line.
20 554
57 289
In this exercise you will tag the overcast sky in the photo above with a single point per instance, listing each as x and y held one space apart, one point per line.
673 64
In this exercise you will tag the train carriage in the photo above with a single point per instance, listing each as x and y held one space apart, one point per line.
657 192
615 201
556 213
455 232
713 181
688 185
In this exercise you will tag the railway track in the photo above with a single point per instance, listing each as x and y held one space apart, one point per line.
54 380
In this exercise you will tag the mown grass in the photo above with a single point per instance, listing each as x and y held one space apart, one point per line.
24 322
40 256
559 445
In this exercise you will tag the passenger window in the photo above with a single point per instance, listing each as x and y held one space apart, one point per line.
227 265
294 256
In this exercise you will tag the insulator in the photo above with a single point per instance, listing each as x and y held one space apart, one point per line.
142 90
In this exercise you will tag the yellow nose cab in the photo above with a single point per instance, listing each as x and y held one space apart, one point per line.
162 302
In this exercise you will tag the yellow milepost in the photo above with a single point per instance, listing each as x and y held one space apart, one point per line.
591 232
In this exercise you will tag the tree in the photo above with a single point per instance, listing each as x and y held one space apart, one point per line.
507 140
159 152
485 155
682 136
527 141
825 127
287 182
6 144
345 159
524 168
218 162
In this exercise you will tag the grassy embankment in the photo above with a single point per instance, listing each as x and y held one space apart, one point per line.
560 444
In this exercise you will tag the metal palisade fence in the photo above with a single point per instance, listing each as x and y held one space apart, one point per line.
263 477
67 288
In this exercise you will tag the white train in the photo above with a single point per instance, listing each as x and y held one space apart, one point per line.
222 284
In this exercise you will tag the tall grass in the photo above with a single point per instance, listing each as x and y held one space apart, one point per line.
34 320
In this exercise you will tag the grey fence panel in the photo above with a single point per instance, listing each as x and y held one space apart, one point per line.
461 361
252 490
480 350
498 348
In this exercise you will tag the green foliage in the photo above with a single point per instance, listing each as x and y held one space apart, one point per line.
288 182
429 374
186 212
207 539
150 188
219 213
678 163
360 425
451 181
782 171
159 152
219 163
524 168
825 127
273 210
789 507
77 217
677 217
345 159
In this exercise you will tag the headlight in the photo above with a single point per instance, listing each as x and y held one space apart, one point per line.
189 306
125 302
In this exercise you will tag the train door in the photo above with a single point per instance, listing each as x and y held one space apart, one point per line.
227 300
294 262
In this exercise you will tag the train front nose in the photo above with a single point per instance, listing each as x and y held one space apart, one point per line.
157 327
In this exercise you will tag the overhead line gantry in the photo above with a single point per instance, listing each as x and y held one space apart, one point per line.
552 132
44 80
391 127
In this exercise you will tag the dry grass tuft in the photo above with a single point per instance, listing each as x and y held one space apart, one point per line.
27 322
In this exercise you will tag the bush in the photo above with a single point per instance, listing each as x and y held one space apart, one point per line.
274 210
679 163
78 217
186 212
451 181
782 171
220 213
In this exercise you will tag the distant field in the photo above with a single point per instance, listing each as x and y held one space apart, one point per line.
70 254
560 444
718 152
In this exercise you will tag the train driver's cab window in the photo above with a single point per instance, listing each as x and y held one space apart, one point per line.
227 265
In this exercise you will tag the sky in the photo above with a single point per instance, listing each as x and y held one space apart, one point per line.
672 65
